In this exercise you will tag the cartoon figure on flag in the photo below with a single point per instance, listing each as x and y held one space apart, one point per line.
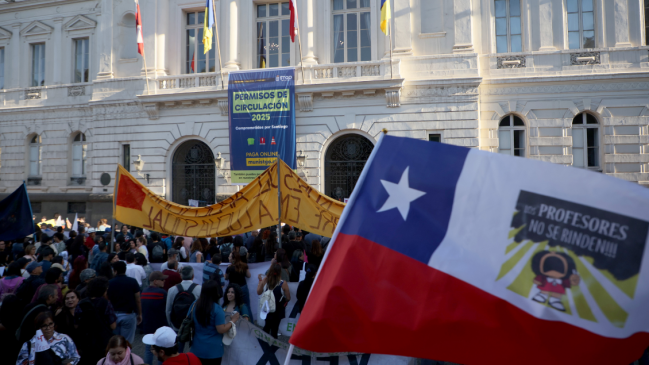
555 272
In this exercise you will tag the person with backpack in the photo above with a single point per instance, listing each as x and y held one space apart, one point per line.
212 270
180 299
226 248
273 289
96 320
157 250
124 295
119 350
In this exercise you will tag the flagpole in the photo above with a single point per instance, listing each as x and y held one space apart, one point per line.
112 228
279 205
218 44
299 42
390 36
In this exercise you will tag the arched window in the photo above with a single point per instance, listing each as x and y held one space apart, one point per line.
194 174
511 136
79 155
344 162
35 156
585 141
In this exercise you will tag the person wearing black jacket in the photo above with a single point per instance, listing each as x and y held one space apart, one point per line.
304 288
155 241
46 298
96 321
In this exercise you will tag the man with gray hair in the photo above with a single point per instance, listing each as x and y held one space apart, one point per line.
180 298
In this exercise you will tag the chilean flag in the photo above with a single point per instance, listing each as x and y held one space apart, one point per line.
293 21
138 26
455 254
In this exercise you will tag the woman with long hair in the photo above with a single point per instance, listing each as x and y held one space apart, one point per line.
273 281
209 324
282 259
316 254
79 264
61 347
196 254
233 301
118 352
178 246
237 273
64 317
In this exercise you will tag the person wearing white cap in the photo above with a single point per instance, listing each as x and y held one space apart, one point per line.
164 347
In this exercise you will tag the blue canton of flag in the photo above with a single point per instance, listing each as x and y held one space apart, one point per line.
16 215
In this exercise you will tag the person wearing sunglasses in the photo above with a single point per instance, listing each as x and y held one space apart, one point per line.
48 346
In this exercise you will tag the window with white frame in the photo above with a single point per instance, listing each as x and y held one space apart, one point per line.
585 141
352 31
79 155
2 68
508 26
511 136
35 156
581 24
196 60
273 35
38 64
81 60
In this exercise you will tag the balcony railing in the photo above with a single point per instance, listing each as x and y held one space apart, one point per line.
313 74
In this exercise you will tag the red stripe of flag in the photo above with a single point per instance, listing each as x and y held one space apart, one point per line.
293 8
138 25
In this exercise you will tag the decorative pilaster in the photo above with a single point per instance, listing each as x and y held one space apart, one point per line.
16 67
545 23
56 60
307 29
621 16
463 26
106 40
402 28
232 15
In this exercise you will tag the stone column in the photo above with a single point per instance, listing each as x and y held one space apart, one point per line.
57 69
232 14
14 57
463 26
307 30
105 38
149 10
621 22
545 22
403 27
162 30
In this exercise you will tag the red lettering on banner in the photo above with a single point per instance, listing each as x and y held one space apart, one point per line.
249 220
204 227
150 223
157 218
237 221
288 187
188 228
297 209
261 205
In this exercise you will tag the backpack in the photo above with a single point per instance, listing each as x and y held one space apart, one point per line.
269 297
181 304
226 250
186 329
157 254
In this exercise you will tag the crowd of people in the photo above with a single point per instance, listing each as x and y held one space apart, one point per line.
73 297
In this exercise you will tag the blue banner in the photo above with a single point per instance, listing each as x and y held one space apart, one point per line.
16 219
262 121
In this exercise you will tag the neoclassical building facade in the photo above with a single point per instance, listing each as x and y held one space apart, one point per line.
564 81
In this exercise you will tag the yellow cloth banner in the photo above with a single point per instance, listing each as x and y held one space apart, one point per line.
254 207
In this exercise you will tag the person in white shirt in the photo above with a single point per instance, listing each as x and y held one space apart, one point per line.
134 271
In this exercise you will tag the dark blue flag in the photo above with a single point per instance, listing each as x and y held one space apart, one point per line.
16 215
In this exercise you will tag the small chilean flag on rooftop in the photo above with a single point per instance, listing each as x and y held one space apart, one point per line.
461 255
138 26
